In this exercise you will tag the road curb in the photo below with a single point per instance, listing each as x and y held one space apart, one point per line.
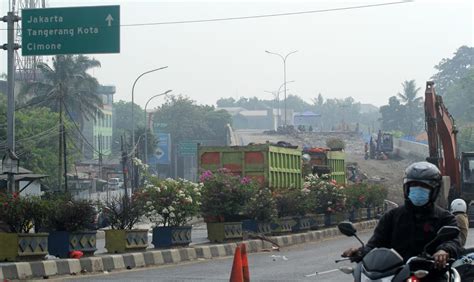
112 262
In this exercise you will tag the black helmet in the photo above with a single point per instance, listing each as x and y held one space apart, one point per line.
426 173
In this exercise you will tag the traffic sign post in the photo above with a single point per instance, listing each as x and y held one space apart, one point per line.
76 30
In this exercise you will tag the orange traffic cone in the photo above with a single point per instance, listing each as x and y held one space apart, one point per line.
237 274
245 263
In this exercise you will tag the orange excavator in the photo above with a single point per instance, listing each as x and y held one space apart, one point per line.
443 151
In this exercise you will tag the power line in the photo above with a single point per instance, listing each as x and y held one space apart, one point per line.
269 15
78 130
263 15
34 104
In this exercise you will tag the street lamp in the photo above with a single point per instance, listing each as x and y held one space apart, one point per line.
133 115
277 97
133 96
10 166
146 123
284 71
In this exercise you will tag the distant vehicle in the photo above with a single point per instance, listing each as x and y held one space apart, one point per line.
114 183
381 146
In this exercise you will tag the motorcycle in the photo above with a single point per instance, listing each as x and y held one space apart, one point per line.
383 264
465 265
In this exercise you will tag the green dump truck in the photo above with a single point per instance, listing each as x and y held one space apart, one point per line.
271 165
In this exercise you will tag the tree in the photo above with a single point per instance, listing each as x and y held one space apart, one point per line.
392 115
460 98
36 140
226 102
66 84
412 122
187 121
68 81
122 124
450 71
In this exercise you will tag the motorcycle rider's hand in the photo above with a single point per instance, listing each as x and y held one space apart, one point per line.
441 257
351 252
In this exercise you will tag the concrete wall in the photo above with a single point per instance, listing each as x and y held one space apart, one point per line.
409 149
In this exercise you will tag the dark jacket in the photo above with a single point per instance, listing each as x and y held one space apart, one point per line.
408 231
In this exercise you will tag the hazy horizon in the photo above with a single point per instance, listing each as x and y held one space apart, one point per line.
362 53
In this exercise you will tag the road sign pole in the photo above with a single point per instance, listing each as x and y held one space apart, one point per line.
10 19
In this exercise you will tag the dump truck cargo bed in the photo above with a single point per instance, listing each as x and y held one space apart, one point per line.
272 166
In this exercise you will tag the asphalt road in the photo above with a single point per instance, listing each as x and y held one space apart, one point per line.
308 262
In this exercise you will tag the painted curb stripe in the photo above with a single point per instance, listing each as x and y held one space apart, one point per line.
23 270
40 269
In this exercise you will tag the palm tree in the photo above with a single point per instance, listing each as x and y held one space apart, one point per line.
413 105
66 84
67 80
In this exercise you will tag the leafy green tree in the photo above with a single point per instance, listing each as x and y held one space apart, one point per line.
412 121
451 70
392 115
226 102
185 120
122 124
66 83
67 80
460 98
36 142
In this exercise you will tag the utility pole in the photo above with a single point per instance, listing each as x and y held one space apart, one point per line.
100 155
124 167
11 46
65 157
60 141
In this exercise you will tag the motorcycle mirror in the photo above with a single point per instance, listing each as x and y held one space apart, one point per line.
347 228
346 269
444 234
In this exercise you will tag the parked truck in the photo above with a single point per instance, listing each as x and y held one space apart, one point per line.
272 165
325 161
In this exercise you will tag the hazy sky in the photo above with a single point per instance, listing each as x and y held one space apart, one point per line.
363 53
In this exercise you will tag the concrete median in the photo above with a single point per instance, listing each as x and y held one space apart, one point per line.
154 257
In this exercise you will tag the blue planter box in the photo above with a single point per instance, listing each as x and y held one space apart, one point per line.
303 223
60 243
256 226
167 236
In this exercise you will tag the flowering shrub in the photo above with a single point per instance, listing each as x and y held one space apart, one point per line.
376 194
225 196
292 201
122 212
262 206
324 195
171 202
356 196
16 212
67 214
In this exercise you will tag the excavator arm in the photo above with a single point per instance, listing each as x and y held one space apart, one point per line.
442 132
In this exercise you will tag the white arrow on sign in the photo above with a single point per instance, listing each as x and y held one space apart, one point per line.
159 153
109 20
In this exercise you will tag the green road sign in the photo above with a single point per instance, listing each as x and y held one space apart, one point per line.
187 148
76 30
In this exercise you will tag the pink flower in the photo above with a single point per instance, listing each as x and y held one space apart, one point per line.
245 180
205 176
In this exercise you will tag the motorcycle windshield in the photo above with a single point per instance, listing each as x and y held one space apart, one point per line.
381 262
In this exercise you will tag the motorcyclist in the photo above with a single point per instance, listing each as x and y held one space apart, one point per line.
409 227
459 208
